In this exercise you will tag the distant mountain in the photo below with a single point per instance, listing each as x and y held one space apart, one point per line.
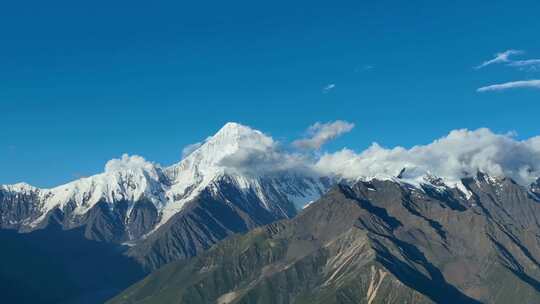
169 213
374 241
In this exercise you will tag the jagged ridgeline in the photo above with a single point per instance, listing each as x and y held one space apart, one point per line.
373 242
138 216
170 213
408 236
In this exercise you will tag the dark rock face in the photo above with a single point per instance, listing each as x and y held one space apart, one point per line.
16 207
120 224
220 210
126 221
214 215
373 242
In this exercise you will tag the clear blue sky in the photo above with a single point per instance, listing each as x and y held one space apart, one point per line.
85 81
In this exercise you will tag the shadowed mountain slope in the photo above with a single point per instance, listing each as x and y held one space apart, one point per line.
52 266
373 242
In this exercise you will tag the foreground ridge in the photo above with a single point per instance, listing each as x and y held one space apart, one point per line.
372 242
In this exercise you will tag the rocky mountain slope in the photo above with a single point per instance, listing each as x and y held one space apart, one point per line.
174 212
378 241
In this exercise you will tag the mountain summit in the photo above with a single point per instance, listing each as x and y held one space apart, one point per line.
208 193
230 139
395 233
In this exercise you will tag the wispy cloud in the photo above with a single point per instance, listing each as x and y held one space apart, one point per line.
523 65
329 88
321 133
527 65
535 84
366 67
502 57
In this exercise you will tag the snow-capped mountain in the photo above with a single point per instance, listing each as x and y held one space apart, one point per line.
240 179
134 198
234 181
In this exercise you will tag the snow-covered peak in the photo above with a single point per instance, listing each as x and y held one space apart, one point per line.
127 184
129 178
209 159
235 132
236 154
223 156
230 139
442 183
206 163
418 180
19 187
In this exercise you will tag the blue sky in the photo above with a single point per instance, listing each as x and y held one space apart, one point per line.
81 83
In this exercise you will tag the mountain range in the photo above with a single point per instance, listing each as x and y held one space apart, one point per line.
165 214
237 221
377 241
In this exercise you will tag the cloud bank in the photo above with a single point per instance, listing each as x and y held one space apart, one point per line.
535 84
321 133
460 154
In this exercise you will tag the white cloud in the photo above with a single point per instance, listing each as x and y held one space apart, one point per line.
259 154
129 163
321 133
258 162
535 84
502 57
328 88
526 65
460 154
